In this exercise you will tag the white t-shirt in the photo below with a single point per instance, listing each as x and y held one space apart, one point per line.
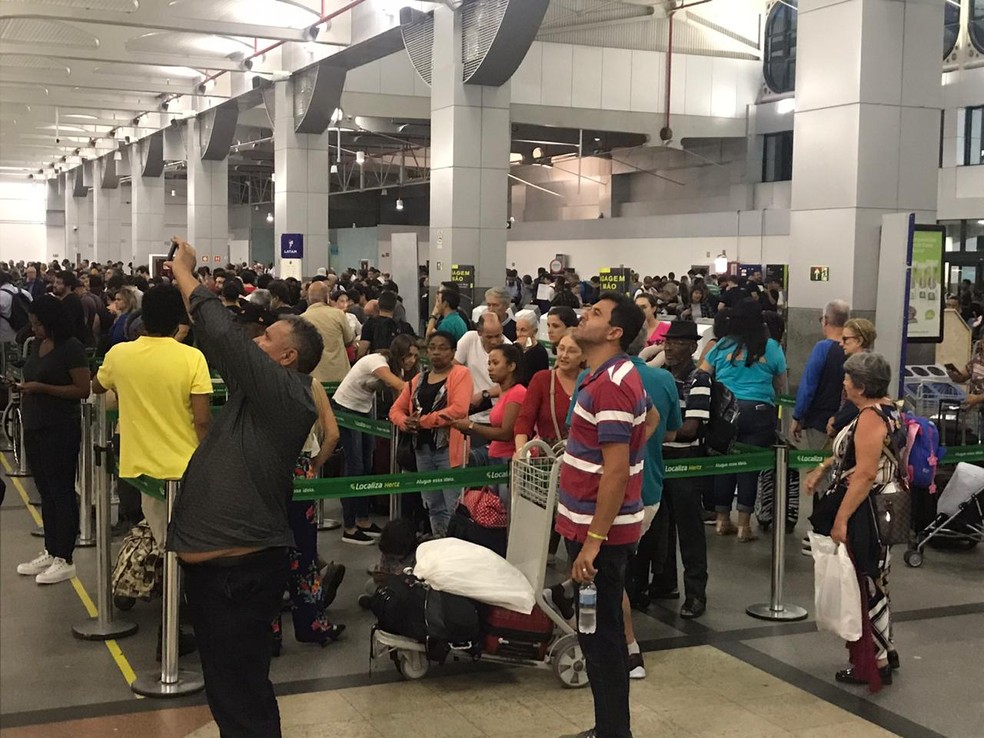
357 390
472 354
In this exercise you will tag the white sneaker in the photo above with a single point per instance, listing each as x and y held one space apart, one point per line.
59 571
36 566
806 549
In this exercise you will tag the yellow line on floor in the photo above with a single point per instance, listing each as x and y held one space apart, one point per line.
111 645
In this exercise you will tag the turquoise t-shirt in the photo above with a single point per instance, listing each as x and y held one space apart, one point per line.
454 324
662 391
751 383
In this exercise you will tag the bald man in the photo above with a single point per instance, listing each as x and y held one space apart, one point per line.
335 331
473 352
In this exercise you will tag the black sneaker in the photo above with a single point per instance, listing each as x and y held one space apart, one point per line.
692 608
846 676
373 530
637 667
893 660
583 734
330 581
558 599
358 538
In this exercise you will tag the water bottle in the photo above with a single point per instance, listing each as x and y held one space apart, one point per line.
587 610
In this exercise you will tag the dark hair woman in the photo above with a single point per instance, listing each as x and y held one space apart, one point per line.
753 367
506 370
56 379
865 460
355 396
559 320
427 408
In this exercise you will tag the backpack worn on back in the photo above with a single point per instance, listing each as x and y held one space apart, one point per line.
19 306
385 329
721 430
922 451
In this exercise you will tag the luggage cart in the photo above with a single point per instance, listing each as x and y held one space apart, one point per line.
533 498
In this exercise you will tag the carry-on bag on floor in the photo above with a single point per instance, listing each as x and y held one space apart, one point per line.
139 568
513 634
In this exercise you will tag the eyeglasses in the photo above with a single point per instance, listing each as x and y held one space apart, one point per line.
850 338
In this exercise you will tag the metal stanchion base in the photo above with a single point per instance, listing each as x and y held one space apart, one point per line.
38 532
788 613
19 473
93 630
84 544
150 685
329 524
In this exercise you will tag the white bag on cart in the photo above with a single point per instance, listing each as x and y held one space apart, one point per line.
837 595
467 569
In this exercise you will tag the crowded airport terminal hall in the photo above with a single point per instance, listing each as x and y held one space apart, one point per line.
491 368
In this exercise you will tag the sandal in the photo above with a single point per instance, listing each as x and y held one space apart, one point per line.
745 534
725 528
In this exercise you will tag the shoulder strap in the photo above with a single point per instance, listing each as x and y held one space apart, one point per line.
553 404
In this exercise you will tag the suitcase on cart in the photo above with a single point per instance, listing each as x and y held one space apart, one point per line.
509 633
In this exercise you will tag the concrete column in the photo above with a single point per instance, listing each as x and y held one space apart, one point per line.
55 219
866 144
147 203
208 201
78 222
106 217
470 142
300 189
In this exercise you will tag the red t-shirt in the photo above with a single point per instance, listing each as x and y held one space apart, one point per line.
535 413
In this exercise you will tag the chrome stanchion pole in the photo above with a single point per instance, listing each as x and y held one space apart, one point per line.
775 609
394 499
103 627
22 469
87 536
170 681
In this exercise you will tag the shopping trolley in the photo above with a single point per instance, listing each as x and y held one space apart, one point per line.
533 496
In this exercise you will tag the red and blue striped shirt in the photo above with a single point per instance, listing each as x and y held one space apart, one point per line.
611 407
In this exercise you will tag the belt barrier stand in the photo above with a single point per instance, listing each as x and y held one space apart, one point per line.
170 681
775 609
86 479
103 627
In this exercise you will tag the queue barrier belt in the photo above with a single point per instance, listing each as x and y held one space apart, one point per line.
471 477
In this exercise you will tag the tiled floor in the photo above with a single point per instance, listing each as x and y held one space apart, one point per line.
723 675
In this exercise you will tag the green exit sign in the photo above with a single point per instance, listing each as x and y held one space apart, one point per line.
819 274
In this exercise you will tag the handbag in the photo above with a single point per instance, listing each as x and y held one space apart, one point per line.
892 506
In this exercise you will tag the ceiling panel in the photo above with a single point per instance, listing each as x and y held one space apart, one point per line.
16 61
46 32
122 6
188 43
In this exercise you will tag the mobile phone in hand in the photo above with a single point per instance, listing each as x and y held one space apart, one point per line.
950 367
166 270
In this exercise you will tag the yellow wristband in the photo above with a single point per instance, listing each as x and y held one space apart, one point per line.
592 534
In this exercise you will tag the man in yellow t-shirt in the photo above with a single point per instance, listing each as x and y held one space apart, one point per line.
164 392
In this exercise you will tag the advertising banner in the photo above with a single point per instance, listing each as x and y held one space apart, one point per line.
926 288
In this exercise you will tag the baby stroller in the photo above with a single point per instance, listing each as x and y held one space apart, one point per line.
534 493
959 514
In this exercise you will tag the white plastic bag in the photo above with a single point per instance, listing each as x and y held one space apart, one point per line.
462 568
837 595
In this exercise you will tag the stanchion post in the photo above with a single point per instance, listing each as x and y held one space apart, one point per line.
86 480
775 609
170 681
103 627
22 469
394 499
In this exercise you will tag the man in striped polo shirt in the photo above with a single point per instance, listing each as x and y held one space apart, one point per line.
681 514
600 511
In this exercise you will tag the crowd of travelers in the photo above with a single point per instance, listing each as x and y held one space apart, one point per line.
624 390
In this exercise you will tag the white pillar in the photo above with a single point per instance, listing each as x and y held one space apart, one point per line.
208 201
55 219
106 217
147 203
300 189
866 143
470 140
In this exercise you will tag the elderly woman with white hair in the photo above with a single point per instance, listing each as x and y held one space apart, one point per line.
535 357
866 460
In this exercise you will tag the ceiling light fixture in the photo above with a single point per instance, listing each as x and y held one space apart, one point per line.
399 204
721 263
334 169
360 157
173 193
269 217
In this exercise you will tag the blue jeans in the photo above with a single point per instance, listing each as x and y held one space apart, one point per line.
756 427
357 462
604 650
441 503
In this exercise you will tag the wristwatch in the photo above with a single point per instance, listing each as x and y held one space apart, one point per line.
486 395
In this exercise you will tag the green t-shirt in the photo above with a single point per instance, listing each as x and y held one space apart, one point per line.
454 324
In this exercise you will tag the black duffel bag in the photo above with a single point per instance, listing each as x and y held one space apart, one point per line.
399 604
452 618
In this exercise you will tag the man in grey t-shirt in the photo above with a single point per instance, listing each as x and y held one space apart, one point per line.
229 526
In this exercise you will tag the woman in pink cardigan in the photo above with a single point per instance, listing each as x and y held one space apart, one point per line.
443 390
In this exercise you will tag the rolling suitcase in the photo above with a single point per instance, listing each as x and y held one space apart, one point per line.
516 635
